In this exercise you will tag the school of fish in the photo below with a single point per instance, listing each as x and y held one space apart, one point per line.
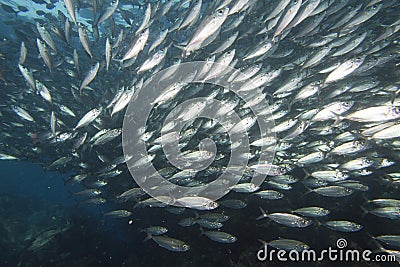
328 69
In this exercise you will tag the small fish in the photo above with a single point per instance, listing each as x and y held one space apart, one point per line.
333 191
7 157
344 69
170 243
118 214
137 45
312 211
199 203
108 53
269 194
70 5
110 10
90 76
84 39
220 237
286 219
22 113
287 244
343 226
88 118
22 54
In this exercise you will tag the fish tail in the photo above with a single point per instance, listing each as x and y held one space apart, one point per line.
290 104
364 210
394 95
317 224
148 237
263 214
263 242
201 231
306 174
196 215
338 119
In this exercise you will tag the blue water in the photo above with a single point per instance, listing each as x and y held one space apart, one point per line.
29 180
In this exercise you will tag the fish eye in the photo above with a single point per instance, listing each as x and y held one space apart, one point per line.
220 12
368 161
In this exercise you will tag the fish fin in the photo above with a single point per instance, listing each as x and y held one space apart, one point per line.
365 199
393 97
196 215
364 210
338 119
387 177
306 174
309 190
201 231
181 47
290 104
148 237
373 240
263 214
318 224
118 60
264 243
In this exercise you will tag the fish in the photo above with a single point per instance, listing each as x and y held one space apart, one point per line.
219 236
118 214
44 54
155 230
192 16
170 243
46 37
344 69
391 240
22 113
312 211
70 5
110 10
343 226
287 244
28 76
207 28
88 118
84 39
137 45
22 55
287 18
146 20
89 76
108 54
199 203
286 219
